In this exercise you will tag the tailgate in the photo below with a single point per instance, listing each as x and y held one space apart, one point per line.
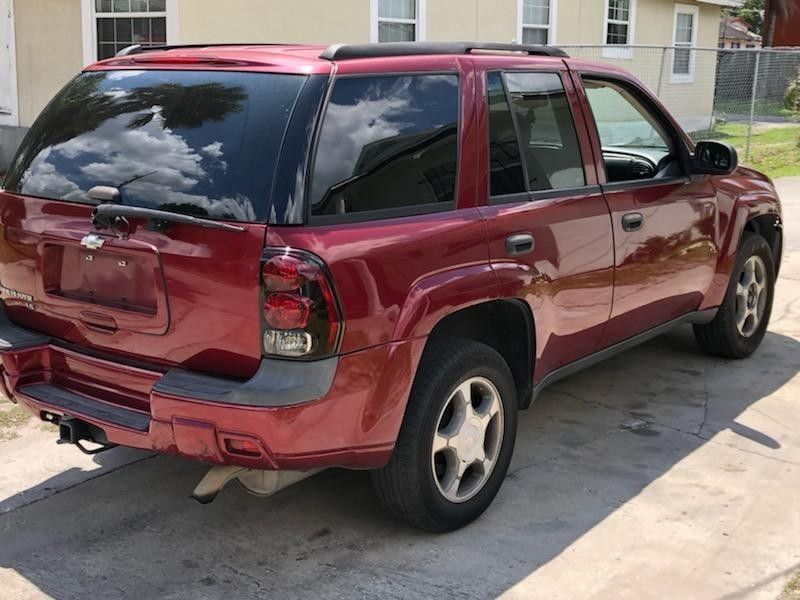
198 143
188 296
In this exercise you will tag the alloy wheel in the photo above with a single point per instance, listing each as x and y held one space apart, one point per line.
468 438
751 296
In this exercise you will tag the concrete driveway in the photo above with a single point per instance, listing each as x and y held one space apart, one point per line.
660 473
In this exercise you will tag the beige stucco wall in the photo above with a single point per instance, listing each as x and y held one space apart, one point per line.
691 102
49 51
580 22
49 35
320 21
484 20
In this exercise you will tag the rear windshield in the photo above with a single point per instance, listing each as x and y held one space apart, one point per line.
195 142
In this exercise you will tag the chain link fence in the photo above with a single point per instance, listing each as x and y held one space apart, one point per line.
724 94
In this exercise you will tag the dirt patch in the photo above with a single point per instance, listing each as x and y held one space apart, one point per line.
12 418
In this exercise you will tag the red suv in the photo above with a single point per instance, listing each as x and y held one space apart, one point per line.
276 259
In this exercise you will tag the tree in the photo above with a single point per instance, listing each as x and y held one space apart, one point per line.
751 12
782 9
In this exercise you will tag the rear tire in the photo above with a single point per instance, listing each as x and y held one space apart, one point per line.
456 440
742 319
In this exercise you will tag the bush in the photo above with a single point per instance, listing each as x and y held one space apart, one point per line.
791 99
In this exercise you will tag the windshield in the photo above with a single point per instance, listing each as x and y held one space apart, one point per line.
203 143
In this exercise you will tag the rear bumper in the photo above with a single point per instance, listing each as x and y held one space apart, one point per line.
341 412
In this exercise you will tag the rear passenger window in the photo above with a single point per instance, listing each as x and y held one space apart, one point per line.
545 130
387 142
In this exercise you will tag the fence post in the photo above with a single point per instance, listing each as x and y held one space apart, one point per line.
752 106
661 72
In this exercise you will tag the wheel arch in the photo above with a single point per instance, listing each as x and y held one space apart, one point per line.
505 325
757 212
770 228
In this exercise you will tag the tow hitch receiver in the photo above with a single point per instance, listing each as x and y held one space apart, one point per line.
256 481
74 431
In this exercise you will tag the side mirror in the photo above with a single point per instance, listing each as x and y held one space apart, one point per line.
714 158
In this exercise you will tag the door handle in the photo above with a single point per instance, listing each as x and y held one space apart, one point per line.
519 243
632 221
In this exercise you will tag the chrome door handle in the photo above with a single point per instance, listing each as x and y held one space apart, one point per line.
519 243
632 221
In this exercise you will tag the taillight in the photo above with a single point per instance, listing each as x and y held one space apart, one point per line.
301 315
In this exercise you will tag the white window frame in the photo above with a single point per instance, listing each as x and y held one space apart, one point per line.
618 50
12 119
684 9
419 22
550 27
89 18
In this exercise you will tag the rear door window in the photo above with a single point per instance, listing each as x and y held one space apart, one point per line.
546 131
388 143
533 144
203 143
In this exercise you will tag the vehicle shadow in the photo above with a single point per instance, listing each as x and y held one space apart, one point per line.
589 445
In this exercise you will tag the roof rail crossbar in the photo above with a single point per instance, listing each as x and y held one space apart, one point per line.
351 51
138 48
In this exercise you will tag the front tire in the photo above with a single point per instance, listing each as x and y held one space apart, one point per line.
456 440
742 319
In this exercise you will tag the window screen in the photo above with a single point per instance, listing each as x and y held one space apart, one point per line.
122 23
536 17
397 20
387 142
618 21
546 131
684 40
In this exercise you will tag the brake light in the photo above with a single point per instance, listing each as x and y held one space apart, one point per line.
301 315
287 311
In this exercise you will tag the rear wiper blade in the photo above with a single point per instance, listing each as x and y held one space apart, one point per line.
102 213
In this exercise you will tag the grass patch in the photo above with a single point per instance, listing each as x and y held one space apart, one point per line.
741 106
775 151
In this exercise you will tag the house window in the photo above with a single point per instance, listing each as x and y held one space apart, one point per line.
122 23
536 18
684 39
397 20
619 17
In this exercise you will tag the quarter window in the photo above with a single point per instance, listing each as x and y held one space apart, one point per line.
122 23
536 20
396 20
387 142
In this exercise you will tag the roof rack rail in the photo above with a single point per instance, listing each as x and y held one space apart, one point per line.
138 48
350 51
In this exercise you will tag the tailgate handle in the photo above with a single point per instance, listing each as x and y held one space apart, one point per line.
98 321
